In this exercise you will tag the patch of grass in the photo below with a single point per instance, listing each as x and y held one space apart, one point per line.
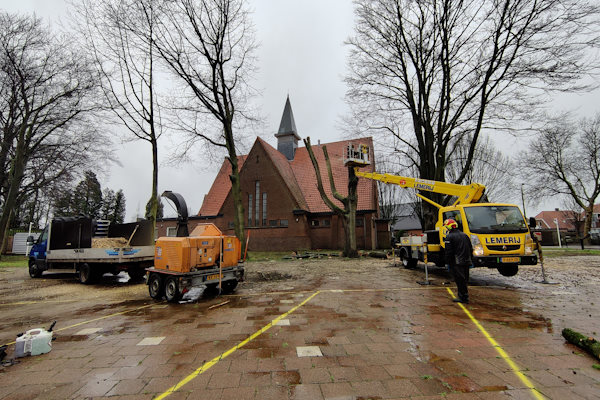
596 366
13 261
267 255
551 253
426 377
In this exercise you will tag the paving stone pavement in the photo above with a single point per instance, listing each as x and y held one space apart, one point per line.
400 340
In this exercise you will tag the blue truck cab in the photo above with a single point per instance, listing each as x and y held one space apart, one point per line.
37 254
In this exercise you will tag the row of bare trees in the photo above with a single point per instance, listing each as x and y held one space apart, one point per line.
47 94
135 64
433 77
429 77
199 52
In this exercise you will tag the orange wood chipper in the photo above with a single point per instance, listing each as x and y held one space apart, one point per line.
205 258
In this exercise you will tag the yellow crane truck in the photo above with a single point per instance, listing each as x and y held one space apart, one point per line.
500 235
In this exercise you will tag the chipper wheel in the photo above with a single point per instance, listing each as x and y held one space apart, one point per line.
172 292
156 286
407 262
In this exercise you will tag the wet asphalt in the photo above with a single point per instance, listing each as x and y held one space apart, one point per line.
377 338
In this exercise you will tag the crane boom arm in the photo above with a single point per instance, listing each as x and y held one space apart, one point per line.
466 194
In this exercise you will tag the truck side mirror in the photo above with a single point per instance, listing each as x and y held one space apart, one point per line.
532 222
30 240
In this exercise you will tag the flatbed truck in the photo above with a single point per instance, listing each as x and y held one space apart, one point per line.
66 245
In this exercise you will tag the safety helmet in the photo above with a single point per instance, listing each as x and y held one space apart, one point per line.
450 224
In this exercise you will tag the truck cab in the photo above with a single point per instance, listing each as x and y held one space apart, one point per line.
499 234
37 254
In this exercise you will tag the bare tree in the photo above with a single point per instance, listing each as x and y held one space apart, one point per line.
392 198
120 34
565 161
46 89
208 45
434 74
488 166
348 213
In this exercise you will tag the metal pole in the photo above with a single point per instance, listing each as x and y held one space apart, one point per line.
523 200
27 248
558 232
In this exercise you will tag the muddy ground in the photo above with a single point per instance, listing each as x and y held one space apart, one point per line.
383 333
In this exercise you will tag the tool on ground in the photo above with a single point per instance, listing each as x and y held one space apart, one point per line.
34 342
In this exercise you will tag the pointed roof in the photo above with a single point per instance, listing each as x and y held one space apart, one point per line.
283 166
299 177
220 188
287 125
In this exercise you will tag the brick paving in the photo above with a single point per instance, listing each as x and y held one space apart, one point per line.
405 342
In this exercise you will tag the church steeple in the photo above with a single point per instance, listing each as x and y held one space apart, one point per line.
287 136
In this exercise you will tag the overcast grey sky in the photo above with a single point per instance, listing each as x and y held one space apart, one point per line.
302 54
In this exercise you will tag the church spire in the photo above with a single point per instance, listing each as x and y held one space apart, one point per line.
287 136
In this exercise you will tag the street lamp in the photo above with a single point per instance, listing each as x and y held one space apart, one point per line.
523 200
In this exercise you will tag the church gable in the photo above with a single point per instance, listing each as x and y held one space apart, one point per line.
266 196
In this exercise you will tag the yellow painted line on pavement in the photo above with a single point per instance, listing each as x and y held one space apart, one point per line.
501 351
19 303
96 319
207 365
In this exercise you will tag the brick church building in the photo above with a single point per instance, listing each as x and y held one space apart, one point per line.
283 208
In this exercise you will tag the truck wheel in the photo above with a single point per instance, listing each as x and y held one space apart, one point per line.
172 292
407 262
508 269
156 286
34 269
86 275
136 275
211 289
229 286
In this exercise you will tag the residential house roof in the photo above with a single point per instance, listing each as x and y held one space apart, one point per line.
565 218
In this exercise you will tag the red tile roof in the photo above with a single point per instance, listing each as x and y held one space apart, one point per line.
217 194
305 175
300 178
565 220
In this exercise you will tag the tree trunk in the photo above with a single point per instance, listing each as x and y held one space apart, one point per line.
15 178
587 226
588 344
350 249
154 198
236 191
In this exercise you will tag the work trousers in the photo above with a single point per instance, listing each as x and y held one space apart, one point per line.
461 277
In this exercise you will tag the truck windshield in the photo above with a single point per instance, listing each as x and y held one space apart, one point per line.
494 219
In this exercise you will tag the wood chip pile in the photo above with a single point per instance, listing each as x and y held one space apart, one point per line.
100 243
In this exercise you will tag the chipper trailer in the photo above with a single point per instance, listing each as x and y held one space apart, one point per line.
500 236
203 258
